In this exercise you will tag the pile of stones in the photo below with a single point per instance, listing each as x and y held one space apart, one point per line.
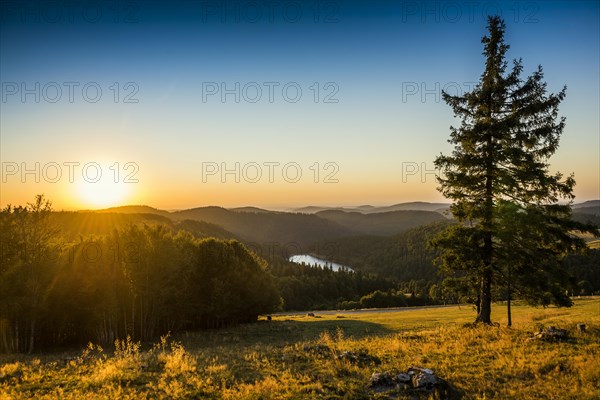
415 381
551 334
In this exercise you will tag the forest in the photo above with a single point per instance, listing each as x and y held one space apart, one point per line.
143 275
139 281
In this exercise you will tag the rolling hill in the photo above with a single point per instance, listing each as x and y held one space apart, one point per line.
72 225
252 224
134 210
265 227
404 256
302 227
585 204
249 209
592 210
381 224
368 209
587 212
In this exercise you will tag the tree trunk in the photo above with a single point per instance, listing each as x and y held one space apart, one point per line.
485 307
133 318
31 336
18 349
508 310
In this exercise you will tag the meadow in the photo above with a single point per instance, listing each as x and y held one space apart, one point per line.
297 357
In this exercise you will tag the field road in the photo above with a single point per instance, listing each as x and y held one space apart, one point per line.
363 310
386 310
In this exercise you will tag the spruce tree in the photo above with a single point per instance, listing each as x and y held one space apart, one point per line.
511 230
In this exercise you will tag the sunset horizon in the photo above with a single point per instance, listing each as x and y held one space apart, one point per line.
269 207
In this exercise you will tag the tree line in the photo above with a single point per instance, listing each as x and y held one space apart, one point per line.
305 287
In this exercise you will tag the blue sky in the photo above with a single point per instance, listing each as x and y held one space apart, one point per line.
383 61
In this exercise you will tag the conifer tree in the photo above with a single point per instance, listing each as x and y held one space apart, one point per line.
512 230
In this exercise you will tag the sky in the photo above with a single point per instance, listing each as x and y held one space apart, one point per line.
273 103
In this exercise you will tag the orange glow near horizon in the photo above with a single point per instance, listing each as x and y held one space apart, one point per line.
157 185
83 195
176 195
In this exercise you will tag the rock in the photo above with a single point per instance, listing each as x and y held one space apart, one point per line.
552 334
415 382
403 378
423 380
415 370
379 379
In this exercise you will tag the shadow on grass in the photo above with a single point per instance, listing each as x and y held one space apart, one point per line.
278 332
281 332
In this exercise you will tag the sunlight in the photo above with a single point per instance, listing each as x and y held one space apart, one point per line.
104 193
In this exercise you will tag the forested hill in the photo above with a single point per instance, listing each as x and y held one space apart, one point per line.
73 225
404 257
261 226
264 227
136 210
367 209
381 224
587 204
587 212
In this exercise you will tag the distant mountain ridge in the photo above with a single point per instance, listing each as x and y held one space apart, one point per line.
382 223
304 225
253 224
250 209
135 209
585 204
364 209
367 209
268 226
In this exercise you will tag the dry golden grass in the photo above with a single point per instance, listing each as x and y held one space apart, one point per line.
594 244
295 358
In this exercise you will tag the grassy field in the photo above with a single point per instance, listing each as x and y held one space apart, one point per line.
294 357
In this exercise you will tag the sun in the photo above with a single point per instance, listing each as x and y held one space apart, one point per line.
104 193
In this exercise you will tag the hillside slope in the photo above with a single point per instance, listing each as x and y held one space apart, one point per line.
381 224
